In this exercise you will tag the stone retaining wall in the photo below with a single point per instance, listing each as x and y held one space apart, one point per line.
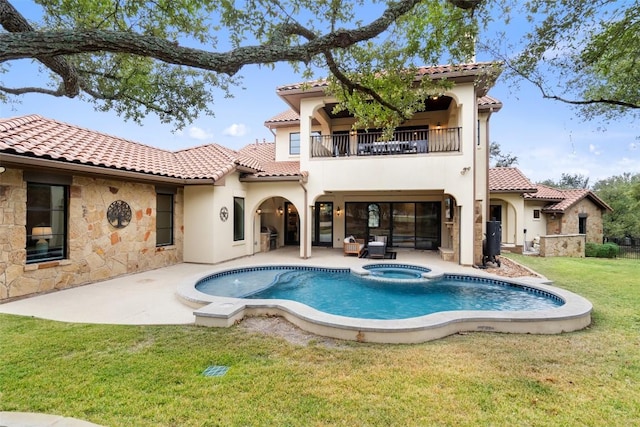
569 245
96 250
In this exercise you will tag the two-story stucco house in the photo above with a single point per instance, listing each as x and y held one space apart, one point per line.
78 206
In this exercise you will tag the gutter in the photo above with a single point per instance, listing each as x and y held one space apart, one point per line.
302 181
253 178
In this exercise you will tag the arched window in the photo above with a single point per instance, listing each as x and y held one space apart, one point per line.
374 215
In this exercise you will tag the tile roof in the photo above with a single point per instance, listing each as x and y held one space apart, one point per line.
513 180
509 180
547 193
288 116
487 101
563 199
265 153
38 137
438 71
291 117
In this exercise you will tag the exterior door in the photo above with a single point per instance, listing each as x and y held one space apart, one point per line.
323 224
291 225
428 228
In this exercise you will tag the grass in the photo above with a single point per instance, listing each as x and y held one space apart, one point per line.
152 375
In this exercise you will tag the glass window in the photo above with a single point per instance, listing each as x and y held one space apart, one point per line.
374 215
238 218
294 143
164 219
582 224
46 222
536 214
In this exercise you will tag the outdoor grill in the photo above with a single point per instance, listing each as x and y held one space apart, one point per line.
273 236
491 245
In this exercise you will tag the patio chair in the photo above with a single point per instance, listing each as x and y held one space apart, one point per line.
378 247
353 246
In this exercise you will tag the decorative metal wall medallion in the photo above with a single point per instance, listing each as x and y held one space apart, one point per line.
224 213
119 214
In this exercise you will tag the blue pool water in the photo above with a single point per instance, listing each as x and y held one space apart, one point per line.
340 292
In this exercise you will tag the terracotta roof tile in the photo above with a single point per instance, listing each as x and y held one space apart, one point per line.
563 199
546 193
509 180
284 117
265 153
485 102
36 136
438 71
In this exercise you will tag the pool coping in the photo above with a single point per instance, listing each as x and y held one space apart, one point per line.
215 311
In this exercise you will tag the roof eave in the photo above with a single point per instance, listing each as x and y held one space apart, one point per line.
80 168
253 178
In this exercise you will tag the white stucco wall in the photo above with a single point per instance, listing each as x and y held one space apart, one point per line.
452 173
208 239
535 227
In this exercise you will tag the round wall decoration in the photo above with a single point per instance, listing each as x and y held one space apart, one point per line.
119 214
224 213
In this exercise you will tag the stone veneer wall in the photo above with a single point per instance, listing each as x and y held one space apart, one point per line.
568 245
585 206
96 250
567 223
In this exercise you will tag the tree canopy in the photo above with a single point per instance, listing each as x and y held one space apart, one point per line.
499 159
169 57
622 193
569 181
584 53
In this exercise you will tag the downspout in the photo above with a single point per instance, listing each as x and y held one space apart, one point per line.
302 181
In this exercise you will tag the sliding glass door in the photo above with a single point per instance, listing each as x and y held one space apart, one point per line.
323 224
415 225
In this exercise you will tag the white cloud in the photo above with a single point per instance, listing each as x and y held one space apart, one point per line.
199 133
633 146
236 129
594 150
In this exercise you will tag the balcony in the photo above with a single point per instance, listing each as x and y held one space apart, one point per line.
409 142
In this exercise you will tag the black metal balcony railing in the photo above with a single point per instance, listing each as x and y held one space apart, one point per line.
372 144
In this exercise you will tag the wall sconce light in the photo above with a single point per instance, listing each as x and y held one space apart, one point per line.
2 169
280 210
259 211
438 125
465 170
338 211
42 234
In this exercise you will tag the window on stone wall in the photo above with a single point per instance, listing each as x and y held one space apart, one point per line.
46 222
238 218
582 224
164 219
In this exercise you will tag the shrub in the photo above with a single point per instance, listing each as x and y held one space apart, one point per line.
591 249
606 250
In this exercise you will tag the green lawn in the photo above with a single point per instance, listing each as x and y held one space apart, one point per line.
152 375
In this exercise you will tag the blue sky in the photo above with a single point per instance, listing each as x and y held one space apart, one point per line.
547 136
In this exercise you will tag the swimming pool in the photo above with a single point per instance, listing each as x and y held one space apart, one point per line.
568 311
386 292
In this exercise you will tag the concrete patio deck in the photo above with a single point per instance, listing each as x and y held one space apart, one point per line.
149 298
